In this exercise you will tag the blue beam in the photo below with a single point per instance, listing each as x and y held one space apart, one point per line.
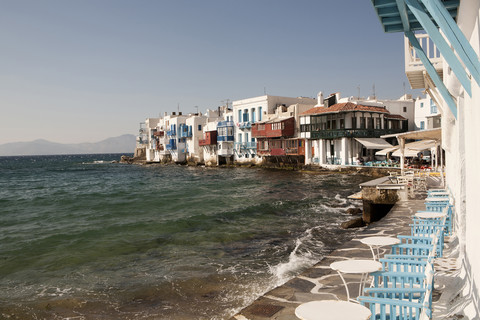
432 73
402 9
442 45
455 36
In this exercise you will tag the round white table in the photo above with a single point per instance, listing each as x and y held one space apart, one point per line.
379 241
332 310
430 215
356 266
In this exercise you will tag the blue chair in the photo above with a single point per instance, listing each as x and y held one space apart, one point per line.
402 303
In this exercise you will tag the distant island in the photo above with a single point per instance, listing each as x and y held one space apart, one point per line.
121 144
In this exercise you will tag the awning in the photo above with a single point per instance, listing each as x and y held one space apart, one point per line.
386 151
413 148
431 134
374 143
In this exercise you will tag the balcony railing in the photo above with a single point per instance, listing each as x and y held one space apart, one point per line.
225 124
245 145
414 68
185 134
245 125
225 138
352 133
171 133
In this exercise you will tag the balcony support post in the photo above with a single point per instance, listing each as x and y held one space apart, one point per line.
432 73
442 45
455 36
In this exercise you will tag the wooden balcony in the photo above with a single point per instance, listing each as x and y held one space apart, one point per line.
414 68
210 139
276 129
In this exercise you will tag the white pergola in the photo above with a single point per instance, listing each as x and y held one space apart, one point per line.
429 139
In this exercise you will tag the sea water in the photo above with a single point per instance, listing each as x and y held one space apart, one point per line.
84 238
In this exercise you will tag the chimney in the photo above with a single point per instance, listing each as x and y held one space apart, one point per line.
320 98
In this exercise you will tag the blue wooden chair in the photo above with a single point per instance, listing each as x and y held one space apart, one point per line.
402 303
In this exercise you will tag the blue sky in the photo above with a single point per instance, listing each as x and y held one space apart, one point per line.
85 70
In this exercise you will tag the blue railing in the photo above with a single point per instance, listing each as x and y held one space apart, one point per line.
225 138
245 145
245 125
225 124
171 133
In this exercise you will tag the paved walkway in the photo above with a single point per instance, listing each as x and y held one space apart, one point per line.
322 283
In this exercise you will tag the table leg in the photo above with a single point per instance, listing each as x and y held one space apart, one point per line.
345 284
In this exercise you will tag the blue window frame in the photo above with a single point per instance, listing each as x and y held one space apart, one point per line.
422 125
259 113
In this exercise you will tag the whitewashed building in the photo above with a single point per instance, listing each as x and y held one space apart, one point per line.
147 135
246 112
225 138
193 133
427 115
348 132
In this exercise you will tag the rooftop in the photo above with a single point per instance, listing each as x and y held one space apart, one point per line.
344 107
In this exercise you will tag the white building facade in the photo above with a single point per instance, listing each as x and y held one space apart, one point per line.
252 110
427 114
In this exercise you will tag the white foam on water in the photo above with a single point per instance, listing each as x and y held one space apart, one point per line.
297 260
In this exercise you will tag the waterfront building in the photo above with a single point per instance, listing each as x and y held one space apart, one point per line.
344 133
442 46
146 140
278 136
225 138
249 111
427 115
176 142
192 131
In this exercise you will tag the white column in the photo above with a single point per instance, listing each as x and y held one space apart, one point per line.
343 151
321 151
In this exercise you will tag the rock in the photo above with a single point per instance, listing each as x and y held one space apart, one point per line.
354 223
354 211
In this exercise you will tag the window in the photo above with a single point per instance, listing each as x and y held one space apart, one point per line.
370 123
239 137
259 113
377 123
239 115
245 115
433 107
342 123
253 114
199 127
421 105
422 125
246 137
404 109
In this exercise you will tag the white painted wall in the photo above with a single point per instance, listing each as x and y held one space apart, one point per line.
424 110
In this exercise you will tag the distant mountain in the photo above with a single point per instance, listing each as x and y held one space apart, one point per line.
122 144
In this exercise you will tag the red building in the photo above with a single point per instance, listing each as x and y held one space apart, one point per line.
275 138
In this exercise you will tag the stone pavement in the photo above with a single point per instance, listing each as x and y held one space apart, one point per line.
322 283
